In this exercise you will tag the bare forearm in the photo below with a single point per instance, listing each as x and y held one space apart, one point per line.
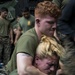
11 36
11 33
26 67
18 34
31 70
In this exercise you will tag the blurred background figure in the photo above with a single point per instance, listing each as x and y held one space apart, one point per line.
25 23
66 28
16 32
6 36
61 3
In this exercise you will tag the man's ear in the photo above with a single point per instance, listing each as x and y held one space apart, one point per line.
37 21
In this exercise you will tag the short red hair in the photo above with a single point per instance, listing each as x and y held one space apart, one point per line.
47 8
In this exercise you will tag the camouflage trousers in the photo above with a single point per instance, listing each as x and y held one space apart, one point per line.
69 56
5 49
3 71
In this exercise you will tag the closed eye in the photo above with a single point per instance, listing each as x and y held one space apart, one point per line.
51 22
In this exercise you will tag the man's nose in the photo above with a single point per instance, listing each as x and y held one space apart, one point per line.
54 25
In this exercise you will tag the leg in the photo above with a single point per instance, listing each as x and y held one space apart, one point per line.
7 50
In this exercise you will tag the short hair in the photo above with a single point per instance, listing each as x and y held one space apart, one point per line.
26 9
47 8
3 9
49 47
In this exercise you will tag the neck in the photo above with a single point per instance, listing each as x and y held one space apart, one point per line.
2 17
38 33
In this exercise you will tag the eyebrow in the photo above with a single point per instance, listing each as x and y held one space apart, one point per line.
51 22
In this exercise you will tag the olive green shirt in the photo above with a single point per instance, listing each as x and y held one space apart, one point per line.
26 44
14 72
26 24
4 27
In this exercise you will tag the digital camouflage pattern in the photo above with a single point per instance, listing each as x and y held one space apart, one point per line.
5 49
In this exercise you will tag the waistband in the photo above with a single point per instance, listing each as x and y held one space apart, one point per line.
4 36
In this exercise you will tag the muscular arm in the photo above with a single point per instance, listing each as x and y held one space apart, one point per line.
24 65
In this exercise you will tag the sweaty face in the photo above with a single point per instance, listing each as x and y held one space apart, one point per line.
47 25
47 65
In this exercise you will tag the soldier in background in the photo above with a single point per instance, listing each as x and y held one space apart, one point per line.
25 23
6 36
66 27
16 32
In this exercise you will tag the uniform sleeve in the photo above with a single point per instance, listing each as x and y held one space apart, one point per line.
26 44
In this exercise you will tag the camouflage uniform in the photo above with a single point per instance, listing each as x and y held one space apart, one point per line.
5 50
3 72
4 41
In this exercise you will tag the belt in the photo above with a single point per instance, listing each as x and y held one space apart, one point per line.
4 36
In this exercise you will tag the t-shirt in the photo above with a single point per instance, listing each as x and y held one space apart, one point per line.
4 27
14 72
27 43
26 24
